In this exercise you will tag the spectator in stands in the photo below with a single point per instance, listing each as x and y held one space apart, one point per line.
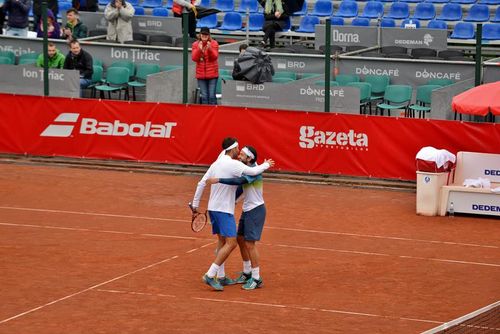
85 5
177 8
53 29
205 53
56 58
81 60
18 13
275 19
119 15
74 28
37 10
236 67
2 18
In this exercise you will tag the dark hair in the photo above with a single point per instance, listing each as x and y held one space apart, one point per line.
228 141
254 152
51 44
243 47
74 41
72 10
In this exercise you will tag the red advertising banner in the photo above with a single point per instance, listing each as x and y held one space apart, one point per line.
372 146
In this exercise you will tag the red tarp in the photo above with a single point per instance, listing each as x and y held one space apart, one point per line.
479 100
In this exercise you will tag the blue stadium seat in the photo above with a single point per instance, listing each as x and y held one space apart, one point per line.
410 22
387 23
424 11
360 22
308 23
337 21
209 21
133 2
489 2
478 13
464 2
373 10
437 1
288 24
139 10
451 12
412 1
169 4
251 5
161 11
303 11
463 30
437 24
151 3
205 3
322 8
399 11
103 2
496 18
65 5
491 31
255 21
347 8
232 21
225 6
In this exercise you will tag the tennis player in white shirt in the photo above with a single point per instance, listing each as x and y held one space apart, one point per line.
222 202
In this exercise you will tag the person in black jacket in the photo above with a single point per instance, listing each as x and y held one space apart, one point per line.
81 60
2 18
85 5
237 68
275 19
18 17
37 10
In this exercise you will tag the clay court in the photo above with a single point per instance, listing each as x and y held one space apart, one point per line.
100 251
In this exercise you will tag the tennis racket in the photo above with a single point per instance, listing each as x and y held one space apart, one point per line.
198 219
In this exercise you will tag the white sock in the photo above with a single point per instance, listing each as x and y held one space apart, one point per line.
221 272
212 271
256 273
247 267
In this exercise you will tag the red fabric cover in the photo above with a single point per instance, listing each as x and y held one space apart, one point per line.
431 167
177 9
478 100
207 65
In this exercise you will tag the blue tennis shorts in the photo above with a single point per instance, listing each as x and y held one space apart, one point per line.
223 223
252 222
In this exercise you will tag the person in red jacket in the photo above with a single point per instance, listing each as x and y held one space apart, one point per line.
205 53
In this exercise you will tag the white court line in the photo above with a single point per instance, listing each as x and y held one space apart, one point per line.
295 307
266 227
268 244
94 287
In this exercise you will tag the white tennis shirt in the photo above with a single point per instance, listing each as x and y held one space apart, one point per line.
222 196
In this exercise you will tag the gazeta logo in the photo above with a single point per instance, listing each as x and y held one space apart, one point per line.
64 126
310 137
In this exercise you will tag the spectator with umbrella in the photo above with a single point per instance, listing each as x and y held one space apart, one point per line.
275 19
205 53
255 66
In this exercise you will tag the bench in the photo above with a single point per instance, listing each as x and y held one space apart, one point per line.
473 165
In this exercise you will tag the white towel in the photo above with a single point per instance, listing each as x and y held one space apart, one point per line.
477 183
440 157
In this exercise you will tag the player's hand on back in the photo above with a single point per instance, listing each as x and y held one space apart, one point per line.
212 180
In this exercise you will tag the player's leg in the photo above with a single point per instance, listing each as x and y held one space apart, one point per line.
253 231
225 226
247 266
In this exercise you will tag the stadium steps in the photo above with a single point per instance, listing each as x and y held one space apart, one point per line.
175 169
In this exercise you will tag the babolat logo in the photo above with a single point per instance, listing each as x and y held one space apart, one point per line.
66 122
487 208
310 138
437 75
